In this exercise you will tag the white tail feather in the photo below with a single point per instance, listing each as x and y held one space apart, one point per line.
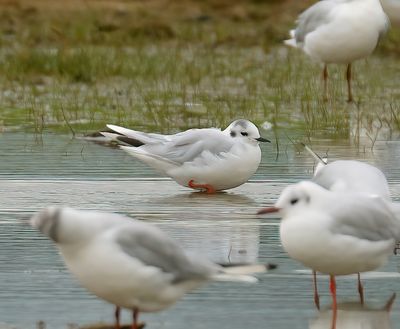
234 277
290 42
240 273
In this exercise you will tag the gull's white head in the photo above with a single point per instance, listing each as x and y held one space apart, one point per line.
296 197
68 226
244 130
48 221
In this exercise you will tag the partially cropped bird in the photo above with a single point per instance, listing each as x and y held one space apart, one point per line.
129 263
207 159
336 233
339 31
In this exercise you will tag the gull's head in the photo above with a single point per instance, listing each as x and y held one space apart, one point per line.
48 222
244 130
296 197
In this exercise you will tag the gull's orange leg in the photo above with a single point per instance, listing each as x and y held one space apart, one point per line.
360 289
334 301
316 296
207 187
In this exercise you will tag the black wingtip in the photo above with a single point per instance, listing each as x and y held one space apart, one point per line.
271 266
130 141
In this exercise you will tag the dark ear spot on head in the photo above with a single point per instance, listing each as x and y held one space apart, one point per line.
233 134
308 198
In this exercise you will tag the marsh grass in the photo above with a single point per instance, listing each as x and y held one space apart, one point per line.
76 71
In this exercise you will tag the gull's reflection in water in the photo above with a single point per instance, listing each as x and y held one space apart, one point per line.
220 227
355 316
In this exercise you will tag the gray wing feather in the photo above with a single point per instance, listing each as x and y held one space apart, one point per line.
312 18
154 248
186 146
367 218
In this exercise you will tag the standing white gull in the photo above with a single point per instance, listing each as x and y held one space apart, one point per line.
207 159
336 233
129 263
339 31
348 176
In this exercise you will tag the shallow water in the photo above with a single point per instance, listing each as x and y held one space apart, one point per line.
54 169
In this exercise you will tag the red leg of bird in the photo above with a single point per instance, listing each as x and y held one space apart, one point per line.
360 289
316 296
325 77
348 76
334 302
208 188
117 317
389 303
135 320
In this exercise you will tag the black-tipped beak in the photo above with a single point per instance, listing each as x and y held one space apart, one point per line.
268 210
262 139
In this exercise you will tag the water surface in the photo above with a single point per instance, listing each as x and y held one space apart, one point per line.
55 169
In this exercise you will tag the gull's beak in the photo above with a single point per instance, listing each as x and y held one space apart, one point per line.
262 139
268 210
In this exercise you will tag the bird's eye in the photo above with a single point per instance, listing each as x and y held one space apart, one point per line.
244 133
294 201
233 134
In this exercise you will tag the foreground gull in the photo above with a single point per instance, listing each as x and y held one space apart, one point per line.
350 176
129 263
336 233
339 31
207 159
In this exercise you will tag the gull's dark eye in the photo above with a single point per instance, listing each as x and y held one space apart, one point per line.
294 201
233 134
244 133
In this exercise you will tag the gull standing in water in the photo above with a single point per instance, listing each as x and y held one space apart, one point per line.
348 176
208 159
336 233
129 263
339 31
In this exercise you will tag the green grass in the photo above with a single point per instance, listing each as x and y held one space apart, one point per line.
76 73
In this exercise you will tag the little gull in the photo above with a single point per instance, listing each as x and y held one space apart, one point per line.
208 159
129 263
336 233
339 31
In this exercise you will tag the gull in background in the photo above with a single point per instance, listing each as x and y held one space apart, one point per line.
207 159
336 233
339 31
129 263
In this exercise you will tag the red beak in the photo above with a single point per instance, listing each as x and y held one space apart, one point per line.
268 210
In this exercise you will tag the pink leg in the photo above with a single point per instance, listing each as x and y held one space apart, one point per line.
207 187
135 323
117 317
135 315
360 289
334 301
316 296
325 77
348 76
